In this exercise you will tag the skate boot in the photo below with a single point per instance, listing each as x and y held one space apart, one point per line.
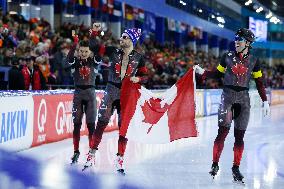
119 164
75 158
214 169
90 159
237 176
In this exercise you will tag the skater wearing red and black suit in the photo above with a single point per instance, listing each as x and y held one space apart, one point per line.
237 68
125 62
84 70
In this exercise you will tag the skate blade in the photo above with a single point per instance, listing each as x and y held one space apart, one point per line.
86 167
212 175
239 182
121 172
74 163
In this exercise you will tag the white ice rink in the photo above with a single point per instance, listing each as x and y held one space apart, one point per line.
186 163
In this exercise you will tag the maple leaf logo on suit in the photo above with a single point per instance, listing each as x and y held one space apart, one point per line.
240 71
84 72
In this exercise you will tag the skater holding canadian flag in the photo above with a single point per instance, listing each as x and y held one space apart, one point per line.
126 63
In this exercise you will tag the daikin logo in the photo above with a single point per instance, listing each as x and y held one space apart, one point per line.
13 125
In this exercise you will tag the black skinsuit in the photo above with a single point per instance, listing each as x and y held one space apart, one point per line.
84 101
111 100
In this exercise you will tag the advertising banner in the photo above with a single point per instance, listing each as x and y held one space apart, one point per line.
53 118
16 119
212 99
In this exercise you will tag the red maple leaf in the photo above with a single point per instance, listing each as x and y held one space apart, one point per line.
239 69
153 111
85 71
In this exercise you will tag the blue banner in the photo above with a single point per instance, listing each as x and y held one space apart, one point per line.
150 22
212 99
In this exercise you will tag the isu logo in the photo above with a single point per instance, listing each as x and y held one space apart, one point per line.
41 115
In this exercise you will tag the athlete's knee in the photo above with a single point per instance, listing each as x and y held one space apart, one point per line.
91 127
222 133
102 122
122 138
77 127
239 136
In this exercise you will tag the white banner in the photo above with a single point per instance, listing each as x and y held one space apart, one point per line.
16 120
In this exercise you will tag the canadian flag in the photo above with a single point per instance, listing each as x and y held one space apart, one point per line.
151 118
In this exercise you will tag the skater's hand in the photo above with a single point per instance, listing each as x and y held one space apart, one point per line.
199 70
135 79
266 109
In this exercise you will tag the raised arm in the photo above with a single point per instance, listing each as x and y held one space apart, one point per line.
70 57
94 42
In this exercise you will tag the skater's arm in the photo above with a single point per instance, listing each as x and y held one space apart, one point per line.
100 49
94 43
142 72
97 45
258 77
70 57
219 72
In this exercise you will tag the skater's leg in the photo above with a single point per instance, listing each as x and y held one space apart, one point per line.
241 123
122 142
91 113
105 112
91 129
77 117
77 113
76 136
224 123
238 146
219 143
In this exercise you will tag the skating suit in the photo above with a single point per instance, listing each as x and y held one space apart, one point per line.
84 101
111 100
235 100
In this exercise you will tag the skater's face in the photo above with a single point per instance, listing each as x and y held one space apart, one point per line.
125 41
240 44
84 52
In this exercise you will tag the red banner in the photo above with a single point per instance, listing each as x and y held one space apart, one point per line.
53 118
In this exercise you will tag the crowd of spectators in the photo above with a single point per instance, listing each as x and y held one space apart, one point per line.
37 56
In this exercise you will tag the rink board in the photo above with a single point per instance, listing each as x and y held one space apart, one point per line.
30 119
